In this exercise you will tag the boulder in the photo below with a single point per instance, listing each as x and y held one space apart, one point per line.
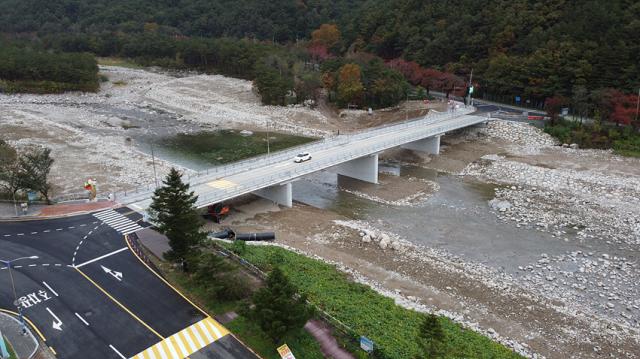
384 241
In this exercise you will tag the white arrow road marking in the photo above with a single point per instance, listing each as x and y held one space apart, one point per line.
82 319
116 275
57 324
50 289
102 257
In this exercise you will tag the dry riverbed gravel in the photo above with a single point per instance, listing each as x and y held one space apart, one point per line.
579 304
584 303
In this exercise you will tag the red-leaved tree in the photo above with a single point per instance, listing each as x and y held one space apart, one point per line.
554 105
624 110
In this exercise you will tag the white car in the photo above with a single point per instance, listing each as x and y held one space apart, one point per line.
301 157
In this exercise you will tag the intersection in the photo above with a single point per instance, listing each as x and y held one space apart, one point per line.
88 295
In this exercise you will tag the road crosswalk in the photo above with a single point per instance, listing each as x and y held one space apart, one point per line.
185 342
118 221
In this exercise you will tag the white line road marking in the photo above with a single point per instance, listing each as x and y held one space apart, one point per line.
82 225
72 227
21 234
117 352
16 267
82 319
46 231
58 229
46 265
48 287
102 257
89 233
7 235
58 265
57 324
32 265
34 232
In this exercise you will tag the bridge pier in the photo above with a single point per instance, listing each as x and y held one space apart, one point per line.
363 168
429 145
280 194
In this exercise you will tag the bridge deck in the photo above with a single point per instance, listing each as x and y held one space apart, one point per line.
226 182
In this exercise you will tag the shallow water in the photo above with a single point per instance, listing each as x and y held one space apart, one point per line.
457 218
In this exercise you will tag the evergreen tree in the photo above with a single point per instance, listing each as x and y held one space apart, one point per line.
432 338
276 308
173 211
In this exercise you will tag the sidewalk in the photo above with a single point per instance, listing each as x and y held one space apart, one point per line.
24 345
328 344
7 210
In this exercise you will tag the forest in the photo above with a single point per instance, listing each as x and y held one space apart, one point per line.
31 70
520 51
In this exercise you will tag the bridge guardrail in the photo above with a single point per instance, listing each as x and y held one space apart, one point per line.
217 172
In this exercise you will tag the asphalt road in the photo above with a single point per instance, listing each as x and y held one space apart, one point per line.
88 294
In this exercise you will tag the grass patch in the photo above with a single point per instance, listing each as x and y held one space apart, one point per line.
117 61
624 141
225 146
302 343
393 328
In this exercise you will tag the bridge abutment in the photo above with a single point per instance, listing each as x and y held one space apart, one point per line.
363 168
429 145
280 194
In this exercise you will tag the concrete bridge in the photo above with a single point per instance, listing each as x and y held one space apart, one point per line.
351 155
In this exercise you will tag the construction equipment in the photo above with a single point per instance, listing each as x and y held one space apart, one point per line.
217 211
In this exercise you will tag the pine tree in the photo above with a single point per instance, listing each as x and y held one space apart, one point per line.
432 338
173 211
276 308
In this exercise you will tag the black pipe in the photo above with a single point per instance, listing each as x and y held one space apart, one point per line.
222 234
265 236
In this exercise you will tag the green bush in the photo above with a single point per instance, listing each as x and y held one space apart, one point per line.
394 329
624 141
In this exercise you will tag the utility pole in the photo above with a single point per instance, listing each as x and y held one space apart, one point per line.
268 126
470 88
13 287
153 156
638 105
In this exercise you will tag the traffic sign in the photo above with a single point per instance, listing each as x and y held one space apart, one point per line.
366 344
285 352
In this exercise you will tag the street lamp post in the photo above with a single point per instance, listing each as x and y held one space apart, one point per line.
7 263
638 105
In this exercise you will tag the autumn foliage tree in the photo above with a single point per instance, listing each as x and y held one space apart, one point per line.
625 110
327 35
554 106
350 86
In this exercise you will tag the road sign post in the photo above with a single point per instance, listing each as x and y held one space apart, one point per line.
285 352
366 344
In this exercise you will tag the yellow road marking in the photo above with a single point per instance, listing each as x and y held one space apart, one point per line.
119 304
222 184
185 342
53 351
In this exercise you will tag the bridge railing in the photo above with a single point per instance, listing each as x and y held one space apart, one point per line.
217 172
218 195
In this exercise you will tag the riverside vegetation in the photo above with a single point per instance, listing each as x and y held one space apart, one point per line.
273 314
